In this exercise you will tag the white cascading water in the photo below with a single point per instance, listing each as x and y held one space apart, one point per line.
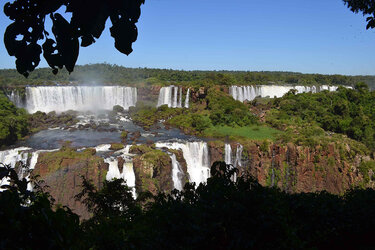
171 96
16 99
228 154
103 147
249 93
187 99
113 170
127 170
177 173
196 157
238 161
12 157
79 98
175 95
228 157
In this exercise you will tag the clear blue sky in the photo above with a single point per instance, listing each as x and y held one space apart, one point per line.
310 36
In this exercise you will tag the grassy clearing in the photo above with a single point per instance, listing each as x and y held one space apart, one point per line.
254 132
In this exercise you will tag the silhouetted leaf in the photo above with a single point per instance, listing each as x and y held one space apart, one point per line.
87 22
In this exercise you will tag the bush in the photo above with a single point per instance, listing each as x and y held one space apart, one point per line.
224 110
347 111
200 122
13 122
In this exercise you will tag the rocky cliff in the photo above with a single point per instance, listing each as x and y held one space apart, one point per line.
300 169
61 172
292 168
153 169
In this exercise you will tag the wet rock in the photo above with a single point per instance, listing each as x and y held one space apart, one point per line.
116 146
121 163
124 135
135 135
216 151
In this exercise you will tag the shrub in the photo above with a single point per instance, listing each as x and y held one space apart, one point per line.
200 122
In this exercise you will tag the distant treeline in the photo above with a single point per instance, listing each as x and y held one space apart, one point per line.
113 74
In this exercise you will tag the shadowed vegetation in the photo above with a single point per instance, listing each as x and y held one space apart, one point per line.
220 214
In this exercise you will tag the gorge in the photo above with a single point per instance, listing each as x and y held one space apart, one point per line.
162 157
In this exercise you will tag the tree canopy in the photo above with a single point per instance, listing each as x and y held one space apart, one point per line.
22 38
367 7
219 214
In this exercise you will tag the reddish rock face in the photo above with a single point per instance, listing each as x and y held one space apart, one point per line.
216 151
198 94
153 172
180 158
148 94
121 163
297 169
291 168
62 171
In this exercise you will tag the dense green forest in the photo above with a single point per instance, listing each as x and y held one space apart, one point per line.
219 109
219 214
113 74
13 122
346 111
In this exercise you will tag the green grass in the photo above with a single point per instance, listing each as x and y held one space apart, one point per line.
254 132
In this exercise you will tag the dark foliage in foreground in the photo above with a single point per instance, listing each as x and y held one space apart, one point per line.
28 220
86 24
220 214
366 7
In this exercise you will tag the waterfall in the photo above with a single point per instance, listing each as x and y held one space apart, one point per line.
79 98
196 157
228 157
127 170
228 154
187 99
15 98
177 173
238 161
329 88
171 96
249 93
113 170
12 157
